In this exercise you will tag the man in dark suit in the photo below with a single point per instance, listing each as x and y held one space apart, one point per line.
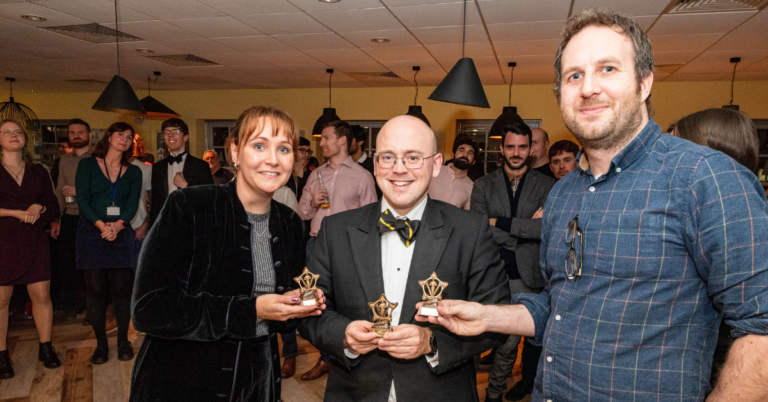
513 199
359 258
178 170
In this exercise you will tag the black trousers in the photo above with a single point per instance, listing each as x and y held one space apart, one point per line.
118 282
64 276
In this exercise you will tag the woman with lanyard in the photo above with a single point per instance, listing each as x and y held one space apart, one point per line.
108 192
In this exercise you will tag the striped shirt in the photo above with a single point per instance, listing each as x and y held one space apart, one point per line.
263 273
674 241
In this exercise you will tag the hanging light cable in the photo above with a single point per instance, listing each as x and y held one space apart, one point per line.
156 109
329 113
415 110
508 114
730 105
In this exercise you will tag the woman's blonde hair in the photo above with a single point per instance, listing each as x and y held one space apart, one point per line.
26 155
252 121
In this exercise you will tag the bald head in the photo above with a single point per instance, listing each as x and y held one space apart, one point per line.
409 126
539 147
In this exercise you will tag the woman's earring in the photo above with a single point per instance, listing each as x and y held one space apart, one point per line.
235 165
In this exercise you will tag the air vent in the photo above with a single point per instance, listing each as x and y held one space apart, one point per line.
715 6
203 80
183 60
93 33
87 81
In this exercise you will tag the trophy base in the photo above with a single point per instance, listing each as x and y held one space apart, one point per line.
311 302
381 330
428 311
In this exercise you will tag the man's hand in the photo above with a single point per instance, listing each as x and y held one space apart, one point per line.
179 180
359 337
458 316
319 198
69 191
538 214
406 341
141 231
55 229
492 221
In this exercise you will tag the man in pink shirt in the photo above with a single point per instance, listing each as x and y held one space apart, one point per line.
453 185
338 185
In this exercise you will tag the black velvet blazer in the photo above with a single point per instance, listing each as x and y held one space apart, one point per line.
193 298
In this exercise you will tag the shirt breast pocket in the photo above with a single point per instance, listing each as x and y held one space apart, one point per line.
628 245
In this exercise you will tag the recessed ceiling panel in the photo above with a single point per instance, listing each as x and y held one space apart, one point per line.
397 37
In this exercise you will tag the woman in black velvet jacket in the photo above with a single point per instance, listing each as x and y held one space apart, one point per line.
208 294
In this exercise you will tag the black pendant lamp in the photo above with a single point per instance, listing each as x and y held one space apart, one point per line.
462 84
735 61
12 110
508 114
415 110
118 96
156 109
329 113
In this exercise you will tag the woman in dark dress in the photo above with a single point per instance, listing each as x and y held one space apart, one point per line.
27 203
215 277
108 192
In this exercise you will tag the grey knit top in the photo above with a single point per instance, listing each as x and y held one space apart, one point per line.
263 272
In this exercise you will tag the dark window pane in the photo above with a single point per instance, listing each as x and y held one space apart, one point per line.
220 135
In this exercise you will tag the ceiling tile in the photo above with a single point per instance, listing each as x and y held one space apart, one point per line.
129 48
314 5
253 44
696 77
372 19
284 24
233 59
14 11
630 8
394 3
718 61
646 21
679 24
163 9
436 15
99 11
347 55
20 54
679 43
46 53
196 46
526 31
526 47
666 58
328 40
250 7
454 34
158 31
216 27
8 24
759 67
259 69
480 62
287 57
507 11
761 76
398 53
477 49
37 38
397 37
358 67
752 34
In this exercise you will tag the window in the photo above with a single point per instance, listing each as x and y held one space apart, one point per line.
52 133
372 128
216 133
478 130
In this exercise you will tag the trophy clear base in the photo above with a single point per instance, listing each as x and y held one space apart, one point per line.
381 330
428 311
311 302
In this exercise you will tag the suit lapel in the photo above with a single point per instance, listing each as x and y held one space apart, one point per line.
186 171
431 240
366 252
501 191
528 185
163 168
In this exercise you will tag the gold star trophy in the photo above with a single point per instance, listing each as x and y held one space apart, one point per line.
308 284
382 315
433 292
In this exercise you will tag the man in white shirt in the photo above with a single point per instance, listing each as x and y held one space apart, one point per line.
140 222
359 258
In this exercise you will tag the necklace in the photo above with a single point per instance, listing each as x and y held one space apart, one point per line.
515 183
15 175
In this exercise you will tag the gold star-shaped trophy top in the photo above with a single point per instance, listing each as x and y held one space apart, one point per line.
432 289
382 315
307 284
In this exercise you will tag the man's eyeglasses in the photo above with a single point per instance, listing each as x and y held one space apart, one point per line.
387 161
13 133
572 263
306 151
169 132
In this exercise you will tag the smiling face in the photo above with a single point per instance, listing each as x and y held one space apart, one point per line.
406 137
175 139
515 151
121 140
464 157
600 98
12 137
562 164
265 161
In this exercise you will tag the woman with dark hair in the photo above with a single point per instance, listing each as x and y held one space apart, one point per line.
216 277
108 192
729 131
27 203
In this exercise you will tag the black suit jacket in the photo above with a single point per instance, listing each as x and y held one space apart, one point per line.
455 244
196 172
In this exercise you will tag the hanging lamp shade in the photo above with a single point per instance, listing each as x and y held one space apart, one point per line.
462 85
329 115
118 97
157 110
415 111
508 116
19 112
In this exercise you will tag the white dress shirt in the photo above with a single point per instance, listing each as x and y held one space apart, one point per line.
146 185
174 168
395 265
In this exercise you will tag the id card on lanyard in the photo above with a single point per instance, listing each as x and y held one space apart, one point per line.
114 210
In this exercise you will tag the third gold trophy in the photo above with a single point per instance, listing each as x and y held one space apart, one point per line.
432 289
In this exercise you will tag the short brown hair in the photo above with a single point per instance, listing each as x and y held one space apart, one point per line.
342 129
251 121
176 122
563 146
604 18
28 157
464 139
729 131
101 149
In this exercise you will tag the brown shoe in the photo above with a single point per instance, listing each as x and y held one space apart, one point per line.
289 367
316 372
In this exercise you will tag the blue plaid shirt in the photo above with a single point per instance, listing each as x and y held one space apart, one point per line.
674 241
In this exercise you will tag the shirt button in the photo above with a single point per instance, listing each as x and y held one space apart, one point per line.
592 189
557 317
549 359
279 288
398 269
274 240
278 264
618 170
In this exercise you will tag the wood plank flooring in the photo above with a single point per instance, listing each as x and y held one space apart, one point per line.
77 380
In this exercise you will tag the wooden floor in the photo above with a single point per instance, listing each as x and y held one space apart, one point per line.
78 380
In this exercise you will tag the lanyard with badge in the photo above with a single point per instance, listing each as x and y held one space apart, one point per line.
114 210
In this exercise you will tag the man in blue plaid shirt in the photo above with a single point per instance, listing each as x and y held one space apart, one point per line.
646 246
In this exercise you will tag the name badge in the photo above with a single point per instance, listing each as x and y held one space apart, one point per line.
113 211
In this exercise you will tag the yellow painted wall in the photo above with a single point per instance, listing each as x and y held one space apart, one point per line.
672 100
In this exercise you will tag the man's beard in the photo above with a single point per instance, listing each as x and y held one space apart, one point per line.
461 163
610 134
79 144
508 162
